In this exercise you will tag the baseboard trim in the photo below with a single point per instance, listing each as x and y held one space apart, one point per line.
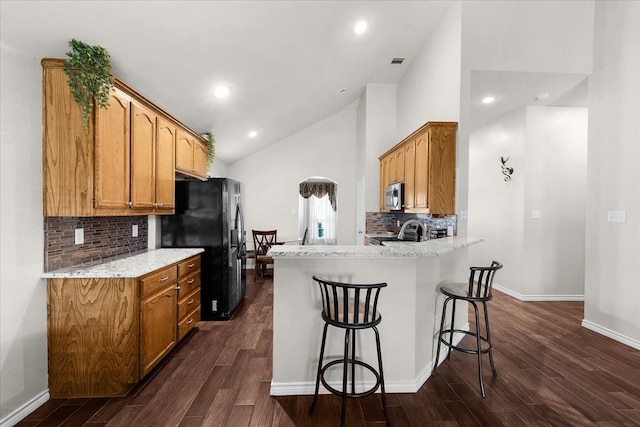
308 387
21 413
611 334
523 297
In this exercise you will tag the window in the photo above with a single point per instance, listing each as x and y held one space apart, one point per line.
318 211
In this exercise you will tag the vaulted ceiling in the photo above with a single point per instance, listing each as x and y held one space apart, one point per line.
288 64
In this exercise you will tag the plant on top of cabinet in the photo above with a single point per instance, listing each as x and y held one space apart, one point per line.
211 147
90 79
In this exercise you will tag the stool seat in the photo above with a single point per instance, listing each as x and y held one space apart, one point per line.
351 307
477 290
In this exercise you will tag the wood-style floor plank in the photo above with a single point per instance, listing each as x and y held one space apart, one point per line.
551 372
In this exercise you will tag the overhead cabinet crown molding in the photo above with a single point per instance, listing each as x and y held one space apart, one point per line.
124 164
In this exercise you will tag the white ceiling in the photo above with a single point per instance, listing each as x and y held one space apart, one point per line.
284 61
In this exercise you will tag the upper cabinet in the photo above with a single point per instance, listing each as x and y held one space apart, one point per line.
191 155
426 162
124 164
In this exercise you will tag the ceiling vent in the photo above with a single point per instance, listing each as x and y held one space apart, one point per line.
397 61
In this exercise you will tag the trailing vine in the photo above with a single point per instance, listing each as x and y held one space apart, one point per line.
211 147
89 71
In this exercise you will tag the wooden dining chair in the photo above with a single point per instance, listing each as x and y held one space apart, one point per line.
262 242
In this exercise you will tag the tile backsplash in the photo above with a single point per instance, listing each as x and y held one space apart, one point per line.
103 237
381 222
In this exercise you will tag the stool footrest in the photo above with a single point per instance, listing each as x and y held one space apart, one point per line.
350 362
464 349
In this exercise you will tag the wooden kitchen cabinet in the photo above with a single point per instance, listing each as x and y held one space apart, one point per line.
191 155
165 164
429 156
106 334
188 295
123 164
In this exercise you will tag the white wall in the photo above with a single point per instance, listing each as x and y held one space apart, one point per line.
612 290
430 89
271 176
528 36
23 310
377 129
496 207
547 147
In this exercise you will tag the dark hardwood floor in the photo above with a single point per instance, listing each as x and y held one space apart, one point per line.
551 372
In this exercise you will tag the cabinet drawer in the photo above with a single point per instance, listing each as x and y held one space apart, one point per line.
188 322
188 266
188 284
158 280
188 304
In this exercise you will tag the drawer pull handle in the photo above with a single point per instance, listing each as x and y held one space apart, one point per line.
190 321
191 281
164 279
191 265
190 302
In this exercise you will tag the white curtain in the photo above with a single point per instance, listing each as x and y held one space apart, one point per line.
318 213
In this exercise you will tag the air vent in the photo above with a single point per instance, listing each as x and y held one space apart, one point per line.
397 61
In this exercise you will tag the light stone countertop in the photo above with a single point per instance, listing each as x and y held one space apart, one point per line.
429 248
131 265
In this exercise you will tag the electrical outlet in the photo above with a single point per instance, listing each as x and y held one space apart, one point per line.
619 217
134 230
79 236
535 214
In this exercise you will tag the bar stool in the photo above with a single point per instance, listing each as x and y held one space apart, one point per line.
478 290
350 307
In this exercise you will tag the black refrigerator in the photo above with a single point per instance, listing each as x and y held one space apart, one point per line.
209 215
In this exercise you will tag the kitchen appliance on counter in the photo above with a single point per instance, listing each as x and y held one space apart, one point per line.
209 215
394 197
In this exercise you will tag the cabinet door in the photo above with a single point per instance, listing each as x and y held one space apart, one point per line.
421 173
184 151
143 155
112 152
409 174
158 332
399 165
165 165
200 159
442 169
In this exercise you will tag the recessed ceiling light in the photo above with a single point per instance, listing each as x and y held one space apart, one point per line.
343 90
360 27
221 92
253 134
542 96
488 99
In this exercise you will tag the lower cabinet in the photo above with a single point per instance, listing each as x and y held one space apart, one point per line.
106 334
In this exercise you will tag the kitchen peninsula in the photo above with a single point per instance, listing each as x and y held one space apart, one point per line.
410 307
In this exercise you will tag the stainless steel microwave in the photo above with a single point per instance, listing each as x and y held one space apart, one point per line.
394 197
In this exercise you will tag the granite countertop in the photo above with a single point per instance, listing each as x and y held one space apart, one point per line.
429 248
131 265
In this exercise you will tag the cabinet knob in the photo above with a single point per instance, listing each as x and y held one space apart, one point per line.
177 287
130 204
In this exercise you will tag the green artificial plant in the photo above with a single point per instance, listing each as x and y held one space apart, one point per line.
211 147
89 71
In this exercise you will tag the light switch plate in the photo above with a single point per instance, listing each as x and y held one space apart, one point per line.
134 230
535 214
619 217
79 236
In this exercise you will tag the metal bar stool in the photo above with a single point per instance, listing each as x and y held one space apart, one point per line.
350 307
478 290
